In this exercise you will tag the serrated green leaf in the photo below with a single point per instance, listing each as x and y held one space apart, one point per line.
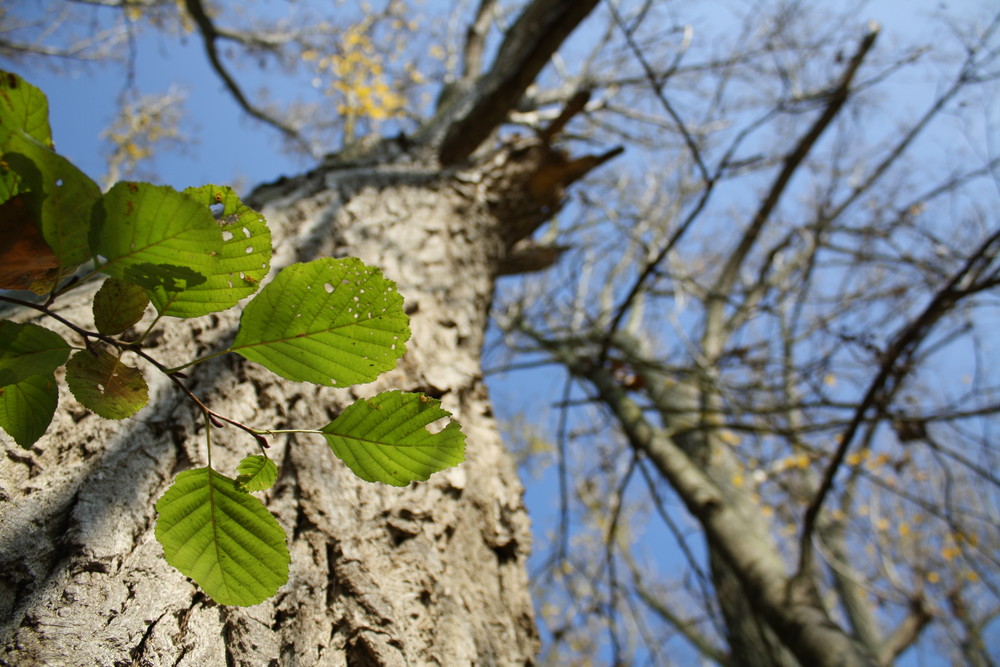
118 305
27 350
104 384
156 237
64 194
256 473
23 107
384 438
329 322
26 408
244 260
223 538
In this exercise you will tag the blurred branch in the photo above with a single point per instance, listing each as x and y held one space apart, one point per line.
475 40
789 605
209 35
894 366
906 633
793 160
526 48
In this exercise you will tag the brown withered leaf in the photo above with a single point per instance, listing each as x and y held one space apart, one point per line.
26 260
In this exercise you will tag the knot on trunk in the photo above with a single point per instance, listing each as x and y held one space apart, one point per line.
527 181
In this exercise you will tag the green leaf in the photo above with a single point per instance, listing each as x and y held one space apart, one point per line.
384 439
243 262
63 197
329 322
223 538
104 384
256 473
26 408
23 107
118 305
156 237
27 350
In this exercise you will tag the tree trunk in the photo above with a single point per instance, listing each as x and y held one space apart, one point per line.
429 574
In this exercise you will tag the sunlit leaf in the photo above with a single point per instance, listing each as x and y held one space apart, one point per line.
107 386
385 439
329 322
63 197
27 350
256 473
26 408
118 305
23 107
156 237
222 537
243 261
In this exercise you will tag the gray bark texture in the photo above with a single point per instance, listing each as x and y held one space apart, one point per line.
429 574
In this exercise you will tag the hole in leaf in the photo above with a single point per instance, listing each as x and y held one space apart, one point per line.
328 287
437 425
227 235
59 182
249 249
246 232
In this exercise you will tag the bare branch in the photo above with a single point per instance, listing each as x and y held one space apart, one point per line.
209 35
892 368
475 39
526 48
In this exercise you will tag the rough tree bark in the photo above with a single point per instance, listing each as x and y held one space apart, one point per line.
430 574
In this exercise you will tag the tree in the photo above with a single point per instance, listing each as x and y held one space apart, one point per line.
432 574
757 370
789 327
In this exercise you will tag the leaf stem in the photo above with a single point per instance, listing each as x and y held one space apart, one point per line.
210 415
193 362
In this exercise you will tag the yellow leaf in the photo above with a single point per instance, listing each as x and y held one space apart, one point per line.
949 553
309 54
830 380
933 577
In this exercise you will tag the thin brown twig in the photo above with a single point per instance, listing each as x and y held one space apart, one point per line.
893 367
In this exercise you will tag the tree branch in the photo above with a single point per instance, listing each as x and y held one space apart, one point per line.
210 34
890 372
837 98
475 39
526 48
790 609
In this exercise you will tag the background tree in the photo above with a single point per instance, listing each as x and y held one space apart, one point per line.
773 313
